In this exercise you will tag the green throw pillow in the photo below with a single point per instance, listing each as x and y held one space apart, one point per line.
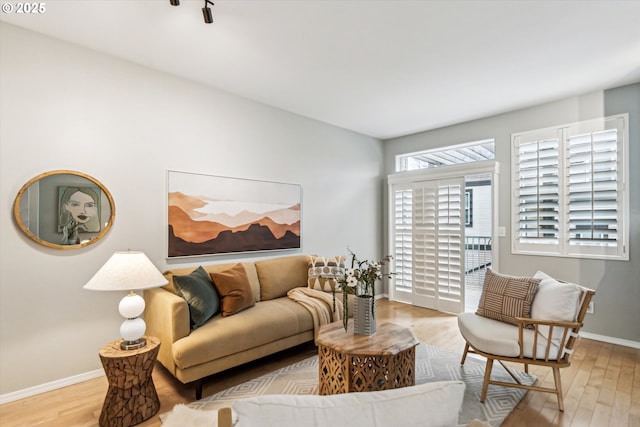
198 291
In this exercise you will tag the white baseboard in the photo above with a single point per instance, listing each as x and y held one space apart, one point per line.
610 340
53 385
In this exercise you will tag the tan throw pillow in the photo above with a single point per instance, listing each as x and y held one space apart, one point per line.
506 297
234 290
323 272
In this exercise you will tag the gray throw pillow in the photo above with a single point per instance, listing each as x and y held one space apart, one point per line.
198 291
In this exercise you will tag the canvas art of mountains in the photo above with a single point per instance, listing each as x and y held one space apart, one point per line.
200 225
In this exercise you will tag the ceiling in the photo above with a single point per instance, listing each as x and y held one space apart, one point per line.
380 68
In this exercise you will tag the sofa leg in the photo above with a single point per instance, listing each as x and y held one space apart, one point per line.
464 355
198 387
487 377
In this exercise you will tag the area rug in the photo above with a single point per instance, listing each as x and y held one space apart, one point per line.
432 364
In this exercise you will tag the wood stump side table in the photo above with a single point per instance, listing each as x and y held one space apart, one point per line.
350 363
132 396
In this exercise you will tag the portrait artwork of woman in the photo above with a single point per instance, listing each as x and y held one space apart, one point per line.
79 209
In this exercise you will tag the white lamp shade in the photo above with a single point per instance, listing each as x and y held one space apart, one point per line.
126 271
132 329
131 306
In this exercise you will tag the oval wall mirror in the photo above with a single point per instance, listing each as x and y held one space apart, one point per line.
64 209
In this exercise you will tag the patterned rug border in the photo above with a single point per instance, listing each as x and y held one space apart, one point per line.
432 364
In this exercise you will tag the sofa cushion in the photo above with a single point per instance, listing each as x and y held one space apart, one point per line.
437 402
234 290
500 338
279 275
323 272
266 322
506 297
197 290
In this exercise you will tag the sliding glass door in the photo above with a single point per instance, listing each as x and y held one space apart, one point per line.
429 213
429 243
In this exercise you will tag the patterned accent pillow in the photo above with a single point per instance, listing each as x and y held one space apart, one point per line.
323 272
506 297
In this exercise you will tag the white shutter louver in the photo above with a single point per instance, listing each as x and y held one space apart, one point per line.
450 239
424 241
593 188
402 239
538 194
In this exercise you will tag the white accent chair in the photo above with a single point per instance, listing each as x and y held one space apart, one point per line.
546 339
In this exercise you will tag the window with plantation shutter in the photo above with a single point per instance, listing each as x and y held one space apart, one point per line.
569 185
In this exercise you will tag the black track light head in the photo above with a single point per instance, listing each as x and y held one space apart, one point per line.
206 12
174 2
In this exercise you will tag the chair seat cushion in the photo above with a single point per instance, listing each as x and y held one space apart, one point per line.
500 338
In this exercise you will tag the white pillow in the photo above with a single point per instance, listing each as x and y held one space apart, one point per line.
437 404
554 300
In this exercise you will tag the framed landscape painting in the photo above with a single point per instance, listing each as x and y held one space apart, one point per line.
210 215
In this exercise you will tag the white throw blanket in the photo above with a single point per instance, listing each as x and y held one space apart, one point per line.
319 304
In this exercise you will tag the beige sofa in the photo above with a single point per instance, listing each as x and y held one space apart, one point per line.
273 324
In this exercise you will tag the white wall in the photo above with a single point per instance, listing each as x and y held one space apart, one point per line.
617 299
65 107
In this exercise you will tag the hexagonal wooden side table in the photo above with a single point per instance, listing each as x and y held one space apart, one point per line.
132 396
349 363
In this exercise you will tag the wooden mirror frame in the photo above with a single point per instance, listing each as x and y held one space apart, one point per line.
54 179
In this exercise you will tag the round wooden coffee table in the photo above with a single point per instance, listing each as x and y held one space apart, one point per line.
350 363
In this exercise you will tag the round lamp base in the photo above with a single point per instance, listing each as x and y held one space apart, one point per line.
133 345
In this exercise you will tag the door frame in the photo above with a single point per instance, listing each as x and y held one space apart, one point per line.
491 167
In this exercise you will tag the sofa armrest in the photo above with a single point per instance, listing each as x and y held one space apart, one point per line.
167 318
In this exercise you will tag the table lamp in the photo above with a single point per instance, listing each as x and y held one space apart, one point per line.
128 271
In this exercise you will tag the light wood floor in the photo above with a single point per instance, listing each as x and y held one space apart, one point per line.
602 385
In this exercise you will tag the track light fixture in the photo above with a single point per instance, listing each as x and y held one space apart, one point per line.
206 12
